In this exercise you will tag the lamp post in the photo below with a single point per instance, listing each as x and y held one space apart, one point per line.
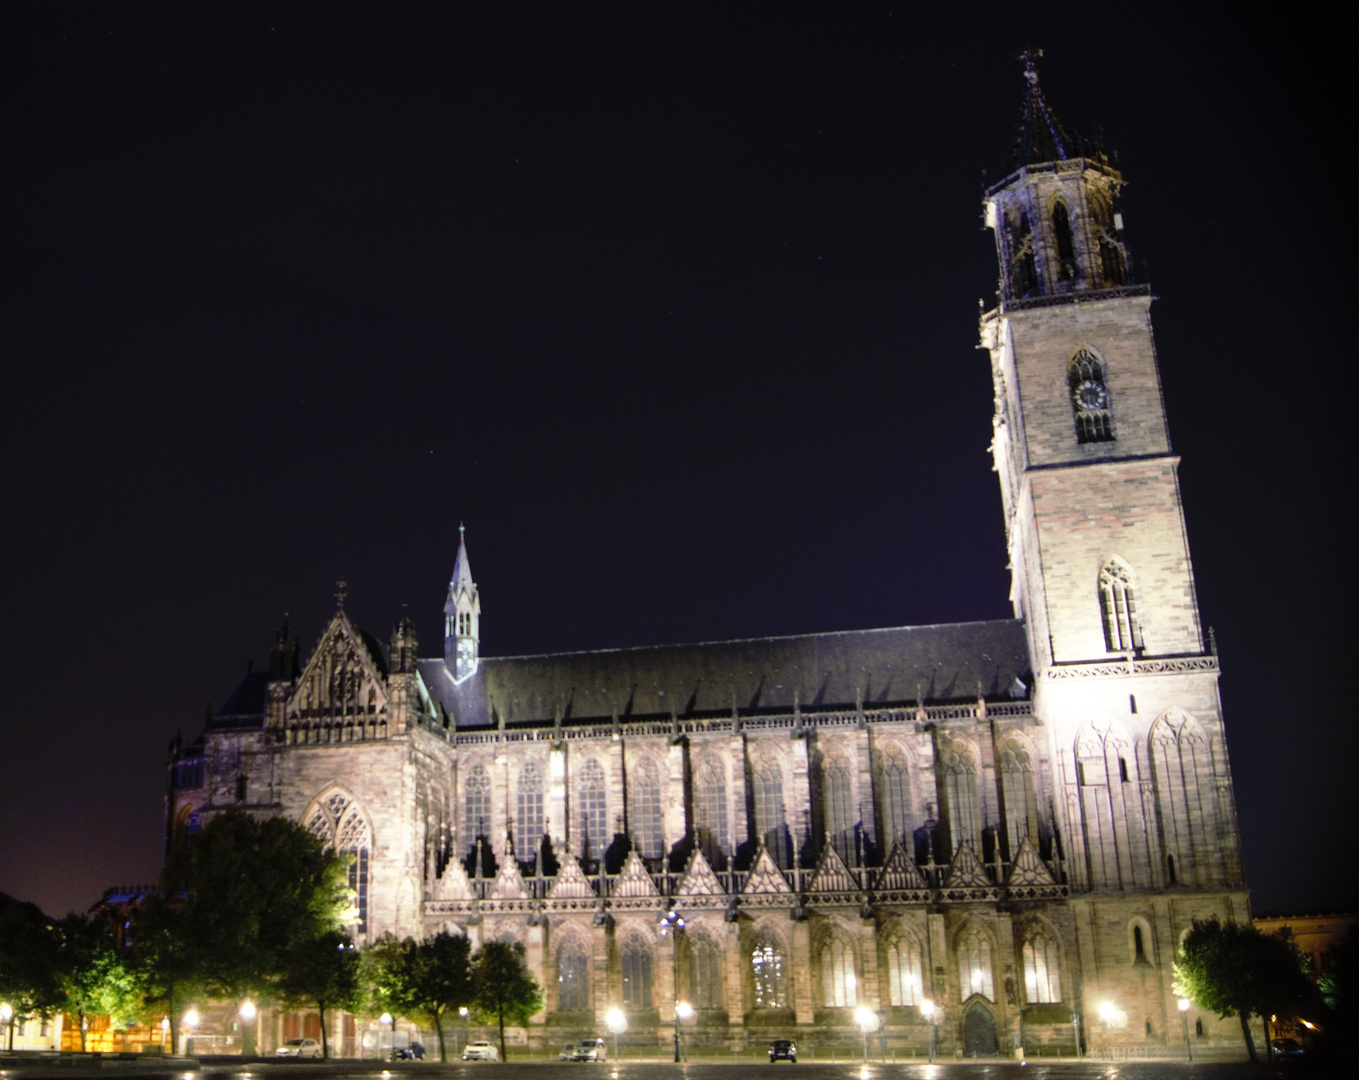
618 1023
165 1035
190 1022
1107 1013
931 1013
671 925
6 1019
462 1013
247 1014
868 1021
1184 1018
1076 1032
384 1020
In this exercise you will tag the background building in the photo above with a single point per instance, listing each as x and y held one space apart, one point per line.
1014 821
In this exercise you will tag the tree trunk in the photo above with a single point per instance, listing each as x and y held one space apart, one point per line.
500 1015
174 1032
1244 1014
325 1042
80 1019
438 1018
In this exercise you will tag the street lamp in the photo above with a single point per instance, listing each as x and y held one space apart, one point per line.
165 1033
1184 1017
385 1018
6 1015
931 1013
462 1012
867 1020
617 1023
671 925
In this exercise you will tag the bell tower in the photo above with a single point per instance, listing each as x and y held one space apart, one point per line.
462 616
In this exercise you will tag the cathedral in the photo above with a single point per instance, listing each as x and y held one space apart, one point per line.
969 838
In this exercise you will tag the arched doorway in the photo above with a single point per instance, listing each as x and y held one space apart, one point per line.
979 1032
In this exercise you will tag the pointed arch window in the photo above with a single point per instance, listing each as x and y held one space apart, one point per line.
646 811
340 824
769 818
478 803
1023 272
1118 598
837 975
769 982
974 965
1042 983
636 974
528 818
959 764
594 828
573 978
839 801
705 974
1089 399
1021 803
1066 245
896 799
905 974
710 811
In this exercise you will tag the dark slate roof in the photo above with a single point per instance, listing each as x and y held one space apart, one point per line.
245 706
892 666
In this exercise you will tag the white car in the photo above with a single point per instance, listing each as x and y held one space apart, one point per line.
300 1048
480 1051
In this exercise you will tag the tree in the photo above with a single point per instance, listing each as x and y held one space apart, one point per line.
28 949
322 970
502 986
427 979
1229 968
163 960
94 976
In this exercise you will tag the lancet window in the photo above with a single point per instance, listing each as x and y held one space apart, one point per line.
1118 599
528 818
959 765
905 974
573 977
839 802
768 979
705 974
896 800
1042 983
636 974
341 824
974 964
477 790
710 811
769 819
1066 247
1021 803
1023 271
646 811
593 812
837 975
1089 399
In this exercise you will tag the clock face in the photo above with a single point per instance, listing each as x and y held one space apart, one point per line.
1090 396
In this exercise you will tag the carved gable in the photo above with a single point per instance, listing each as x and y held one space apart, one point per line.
765 878
634 880
1028 868
832 876
509 883
966 870
571 882
343 678
453 884
900 873
699 879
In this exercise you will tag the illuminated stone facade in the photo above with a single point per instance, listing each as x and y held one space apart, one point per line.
1015 821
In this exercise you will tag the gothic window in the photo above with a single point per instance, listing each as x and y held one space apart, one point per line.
528 820
636 974
839 802
594 829
1139 945
974 965
769 983
705 974
1118 598
1016 777
646 811
837 975
478 792
896 799
465 623
1089 399
1041 980
1066 247
1022 270
341 825
905 978
769 820
710 810
573 978
959 765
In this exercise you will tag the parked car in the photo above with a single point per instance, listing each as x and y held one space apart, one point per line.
783 1050
1287 1048
480 1051
300 1048
586 1050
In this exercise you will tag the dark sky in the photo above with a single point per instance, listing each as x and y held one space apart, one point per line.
675 305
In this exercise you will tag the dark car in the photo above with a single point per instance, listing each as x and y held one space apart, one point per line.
1289 1048
783 1050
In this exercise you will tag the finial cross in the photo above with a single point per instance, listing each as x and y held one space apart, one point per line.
341 591
1030 69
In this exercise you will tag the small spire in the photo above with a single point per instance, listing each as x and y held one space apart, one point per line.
341 591
1041 135
462 568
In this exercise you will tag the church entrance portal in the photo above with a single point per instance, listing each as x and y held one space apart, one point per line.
979 1032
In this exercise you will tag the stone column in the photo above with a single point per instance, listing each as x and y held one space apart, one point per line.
673 820
800 971
733 983
557 804
536 960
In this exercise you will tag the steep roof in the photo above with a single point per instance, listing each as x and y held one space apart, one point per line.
955 661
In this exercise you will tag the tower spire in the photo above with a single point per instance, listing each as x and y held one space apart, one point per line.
462 615
1041 134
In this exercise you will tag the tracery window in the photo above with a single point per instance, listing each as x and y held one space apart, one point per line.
1118 598
837 975
636 974
573 978
974 964
1016 776
1041 980
839 798
594 829
1022 268
528 819
769 983
710 810
646 811
905 976
341 824
769 817
705 974
959 764
1066 247
478 797
1089 399
896 799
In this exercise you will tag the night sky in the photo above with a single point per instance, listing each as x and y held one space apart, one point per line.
674 305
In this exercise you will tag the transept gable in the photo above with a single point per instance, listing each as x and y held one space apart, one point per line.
634 879
900 873
966 870
699 879
345 675
570 882
765 878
